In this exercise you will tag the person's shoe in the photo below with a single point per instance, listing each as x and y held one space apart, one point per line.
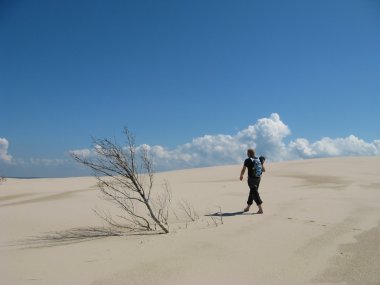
246 209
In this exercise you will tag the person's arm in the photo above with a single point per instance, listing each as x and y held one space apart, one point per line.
242 172
262 160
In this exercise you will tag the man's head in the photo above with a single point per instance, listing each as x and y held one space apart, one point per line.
251 152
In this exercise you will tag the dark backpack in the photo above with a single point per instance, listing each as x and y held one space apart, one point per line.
257 167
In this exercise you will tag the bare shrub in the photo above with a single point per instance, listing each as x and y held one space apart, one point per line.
126 180
214 221
219 214
189 210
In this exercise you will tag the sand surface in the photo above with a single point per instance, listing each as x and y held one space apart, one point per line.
321 225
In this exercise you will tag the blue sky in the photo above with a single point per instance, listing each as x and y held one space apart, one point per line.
195 81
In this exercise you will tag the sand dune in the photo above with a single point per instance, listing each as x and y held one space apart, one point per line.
320 225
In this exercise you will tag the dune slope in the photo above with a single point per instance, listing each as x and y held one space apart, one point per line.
320 226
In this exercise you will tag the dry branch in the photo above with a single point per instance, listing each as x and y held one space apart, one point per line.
126 180
189 210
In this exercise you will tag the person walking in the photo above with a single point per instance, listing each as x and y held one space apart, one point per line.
255 168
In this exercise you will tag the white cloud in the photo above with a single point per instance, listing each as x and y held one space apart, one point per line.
267 136
88 153
4 155
327 147
82 152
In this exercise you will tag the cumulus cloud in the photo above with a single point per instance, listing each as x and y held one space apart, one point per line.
88 153
4 155
267 136
82 152
327 147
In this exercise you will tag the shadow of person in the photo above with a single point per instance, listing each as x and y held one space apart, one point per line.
231 214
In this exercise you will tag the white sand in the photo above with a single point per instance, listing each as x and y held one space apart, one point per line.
320 226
